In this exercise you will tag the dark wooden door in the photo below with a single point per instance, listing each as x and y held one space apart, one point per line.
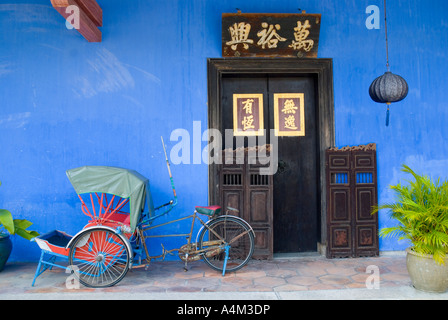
296 210
296 201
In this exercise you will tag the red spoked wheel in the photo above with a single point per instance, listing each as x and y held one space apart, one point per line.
99 258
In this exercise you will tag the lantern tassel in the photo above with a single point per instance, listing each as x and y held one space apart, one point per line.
387 116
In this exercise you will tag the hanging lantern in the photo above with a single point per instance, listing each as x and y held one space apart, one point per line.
389 87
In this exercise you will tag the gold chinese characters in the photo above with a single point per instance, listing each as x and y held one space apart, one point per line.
248 114
269 37
289 114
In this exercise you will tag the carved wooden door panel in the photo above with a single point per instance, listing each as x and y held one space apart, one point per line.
243 188
351 192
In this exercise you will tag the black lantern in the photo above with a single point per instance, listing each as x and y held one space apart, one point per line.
389 87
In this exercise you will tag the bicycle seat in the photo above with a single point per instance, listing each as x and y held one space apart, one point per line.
209 211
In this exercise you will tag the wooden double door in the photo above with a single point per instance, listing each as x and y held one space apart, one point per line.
296 211
296 219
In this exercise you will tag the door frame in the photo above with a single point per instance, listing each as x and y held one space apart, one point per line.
322 68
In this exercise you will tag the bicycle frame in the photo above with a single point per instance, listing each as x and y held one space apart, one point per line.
195 252
189 251
145 225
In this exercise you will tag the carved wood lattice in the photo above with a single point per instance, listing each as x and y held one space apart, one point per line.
351 192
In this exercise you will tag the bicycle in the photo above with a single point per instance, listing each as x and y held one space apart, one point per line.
101 254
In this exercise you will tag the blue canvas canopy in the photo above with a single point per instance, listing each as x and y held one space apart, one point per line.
121 182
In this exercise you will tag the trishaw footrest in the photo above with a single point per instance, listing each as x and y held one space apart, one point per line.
55 241
53 244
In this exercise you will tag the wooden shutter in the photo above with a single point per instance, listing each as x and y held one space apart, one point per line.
352 190
242 187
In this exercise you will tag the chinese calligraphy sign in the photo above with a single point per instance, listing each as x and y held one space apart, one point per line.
270 35
289 114
240 33
248 114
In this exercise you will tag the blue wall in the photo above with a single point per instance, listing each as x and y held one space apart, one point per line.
66 102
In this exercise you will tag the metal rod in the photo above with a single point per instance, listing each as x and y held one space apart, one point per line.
166 223
387 40
169 171
168 235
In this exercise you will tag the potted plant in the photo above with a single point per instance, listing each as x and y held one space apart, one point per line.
421 210
10 226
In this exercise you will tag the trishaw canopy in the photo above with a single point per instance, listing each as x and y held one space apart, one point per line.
121 182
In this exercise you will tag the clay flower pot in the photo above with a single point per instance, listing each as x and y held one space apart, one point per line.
426 274
5 249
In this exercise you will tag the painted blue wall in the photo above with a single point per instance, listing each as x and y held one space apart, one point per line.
66 102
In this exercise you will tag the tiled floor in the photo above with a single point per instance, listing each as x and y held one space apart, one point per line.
279 275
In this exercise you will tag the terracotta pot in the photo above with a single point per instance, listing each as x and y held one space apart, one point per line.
5 250
425 273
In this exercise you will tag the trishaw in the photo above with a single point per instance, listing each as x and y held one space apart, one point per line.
120 206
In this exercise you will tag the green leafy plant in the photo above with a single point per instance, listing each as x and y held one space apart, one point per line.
421 210
15 226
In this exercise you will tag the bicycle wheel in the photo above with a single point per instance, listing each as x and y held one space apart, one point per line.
227 230
99 258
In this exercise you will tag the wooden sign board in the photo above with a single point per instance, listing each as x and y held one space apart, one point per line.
270 35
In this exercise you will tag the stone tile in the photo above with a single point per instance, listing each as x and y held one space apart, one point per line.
291 287
360 277
257 265
390 284
188 275
166 283
184 289
251 274
237 282
347 262
203 282
398 267
293 265
155 289
282 273
355 285
222 288
270 281
255 288
323 286
321 264
334 279
344 271
302 281
396 277
210 273
311 272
